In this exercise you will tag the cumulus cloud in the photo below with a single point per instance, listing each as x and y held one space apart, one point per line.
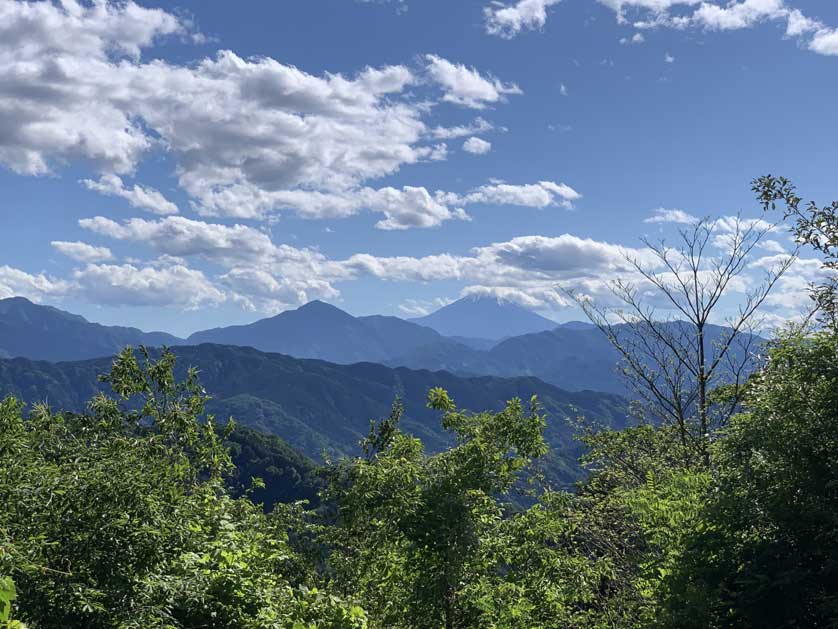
141 197
466 86
82 252
261 290
792 294
530 270
663 215
825 42
259 274
477 146
532 298
538 195
56 72
128 285
509 20
255 272
183 237
249 137
37 287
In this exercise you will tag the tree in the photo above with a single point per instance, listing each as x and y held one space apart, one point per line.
674 361
411 528
766 552
815 226
122 517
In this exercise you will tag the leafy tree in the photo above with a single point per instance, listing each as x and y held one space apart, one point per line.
815 226
766 553
412 529
121 517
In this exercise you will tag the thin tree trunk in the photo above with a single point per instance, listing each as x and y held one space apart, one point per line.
702 398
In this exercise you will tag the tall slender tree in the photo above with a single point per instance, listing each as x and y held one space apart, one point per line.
672 355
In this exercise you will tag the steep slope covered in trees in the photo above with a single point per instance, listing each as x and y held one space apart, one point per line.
317 406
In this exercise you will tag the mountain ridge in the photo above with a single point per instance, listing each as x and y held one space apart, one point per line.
46 333
317 406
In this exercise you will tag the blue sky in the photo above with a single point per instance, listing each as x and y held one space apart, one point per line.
185 165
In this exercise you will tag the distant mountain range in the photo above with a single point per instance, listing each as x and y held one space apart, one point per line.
319 330
318 406
45 333
574 356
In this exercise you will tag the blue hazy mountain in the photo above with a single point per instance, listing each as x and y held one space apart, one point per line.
575 357
484 318
318 406
320 330
45 333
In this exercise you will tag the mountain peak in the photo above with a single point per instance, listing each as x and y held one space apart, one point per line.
485 317
26 309
316 305
42 332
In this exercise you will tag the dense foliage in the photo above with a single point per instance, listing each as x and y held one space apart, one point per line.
121 517
316 406
131 515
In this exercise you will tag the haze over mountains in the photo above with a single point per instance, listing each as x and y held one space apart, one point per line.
574 356
272 374
484 318
320 330
46 333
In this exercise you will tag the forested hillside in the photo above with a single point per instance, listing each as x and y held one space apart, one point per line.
317 406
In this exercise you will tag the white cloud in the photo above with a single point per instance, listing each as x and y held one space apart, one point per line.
127 285
183 237
563 89
825 42
256 273
668 58
260 290
409 207
477 146
56 76
540 195
663 215
17 283
509 20
637 38
730 224
479 125
717 15
792 293
249 137
533 298
772 246
141 197
82 252
738 15
466 86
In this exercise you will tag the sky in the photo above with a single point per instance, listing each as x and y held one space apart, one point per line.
190 164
